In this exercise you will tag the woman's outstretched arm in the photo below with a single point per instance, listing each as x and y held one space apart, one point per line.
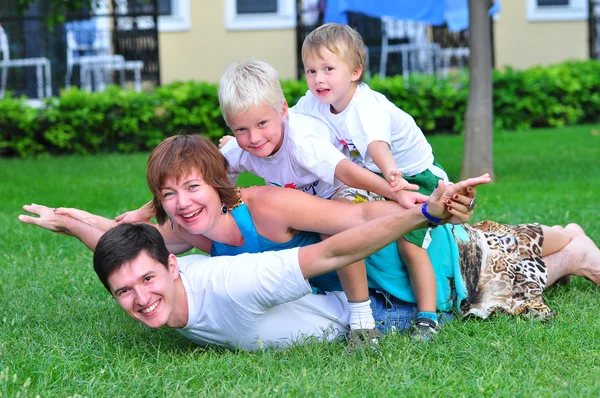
279 210
88 227
62 224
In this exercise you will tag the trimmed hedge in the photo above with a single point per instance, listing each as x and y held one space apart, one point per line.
127 121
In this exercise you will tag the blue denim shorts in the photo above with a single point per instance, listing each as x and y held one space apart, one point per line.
392 314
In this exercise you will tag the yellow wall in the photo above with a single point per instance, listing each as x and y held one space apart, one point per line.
203 52
521 43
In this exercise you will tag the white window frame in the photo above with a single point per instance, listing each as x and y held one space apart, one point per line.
178 21
284 18
577 10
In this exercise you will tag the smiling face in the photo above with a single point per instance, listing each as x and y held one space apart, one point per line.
259 130
150 292
330 79
191 202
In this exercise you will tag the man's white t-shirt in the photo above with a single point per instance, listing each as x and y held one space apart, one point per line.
306 160
370 117
252 301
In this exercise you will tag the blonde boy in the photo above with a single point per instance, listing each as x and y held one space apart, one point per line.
379 137
295 151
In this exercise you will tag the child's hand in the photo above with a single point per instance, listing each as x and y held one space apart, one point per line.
143 214
398 183
409 199
224 140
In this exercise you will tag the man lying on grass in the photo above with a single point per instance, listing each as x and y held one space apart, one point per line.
252 301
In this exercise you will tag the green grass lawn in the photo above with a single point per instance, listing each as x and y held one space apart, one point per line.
61 334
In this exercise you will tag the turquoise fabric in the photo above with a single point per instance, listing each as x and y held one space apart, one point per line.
385 269
253 242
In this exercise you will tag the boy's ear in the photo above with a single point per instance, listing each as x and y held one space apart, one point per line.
356 73
284 109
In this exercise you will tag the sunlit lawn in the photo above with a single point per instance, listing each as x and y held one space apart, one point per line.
61 334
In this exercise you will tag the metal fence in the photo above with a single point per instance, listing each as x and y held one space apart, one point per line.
124 30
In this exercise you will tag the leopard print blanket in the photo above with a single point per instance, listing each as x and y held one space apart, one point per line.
503 270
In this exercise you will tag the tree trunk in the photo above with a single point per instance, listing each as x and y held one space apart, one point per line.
477 155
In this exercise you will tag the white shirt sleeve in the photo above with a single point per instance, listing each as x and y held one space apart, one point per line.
304 104
233 153
251 283
272 278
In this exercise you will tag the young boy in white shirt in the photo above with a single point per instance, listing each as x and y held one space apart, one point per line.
378 135
295 151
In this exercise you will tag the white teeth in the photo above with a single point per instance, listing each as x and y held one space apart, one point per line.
192 214
149 309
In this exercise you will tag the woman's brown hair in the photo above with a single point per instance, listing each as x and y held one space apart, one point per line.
179 156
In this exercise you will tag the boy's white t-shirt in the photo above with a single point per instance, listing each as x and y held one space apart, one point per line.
252 301
370 117
306 160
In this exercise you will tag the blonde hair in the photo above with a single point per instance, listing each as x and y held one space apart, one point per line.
249 84
341 40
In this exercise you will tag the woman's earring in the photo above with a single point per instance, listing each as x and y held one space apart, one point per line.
223 209
172 226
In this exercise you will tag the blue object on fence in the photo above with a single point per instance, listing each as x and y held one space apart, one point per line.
455 13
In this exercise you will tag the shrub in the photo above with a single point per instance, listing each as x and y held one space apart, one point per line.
127 121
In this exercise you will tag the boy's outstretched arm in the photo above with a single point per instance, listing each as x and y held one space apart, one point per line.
358 177
383 158
361 241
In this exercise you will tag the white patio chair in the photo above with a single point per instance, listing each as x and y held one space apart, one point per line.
41 64
418 55
92 53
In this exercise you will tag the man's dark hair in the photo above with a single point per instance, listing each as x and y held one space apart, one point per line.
124 243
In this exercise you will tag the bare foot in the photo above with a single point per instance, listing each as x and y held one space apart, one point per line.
590 258
574 230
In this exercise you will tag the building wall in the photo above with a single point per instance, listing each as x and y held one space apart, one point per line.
203 52
521 43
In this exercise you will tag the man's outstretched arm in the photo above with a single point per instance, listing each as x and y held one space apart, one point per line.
359 242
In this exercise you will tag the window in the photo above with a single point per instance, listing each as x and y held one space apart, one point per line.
142 7
173 15
260 14
543 3
557 10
